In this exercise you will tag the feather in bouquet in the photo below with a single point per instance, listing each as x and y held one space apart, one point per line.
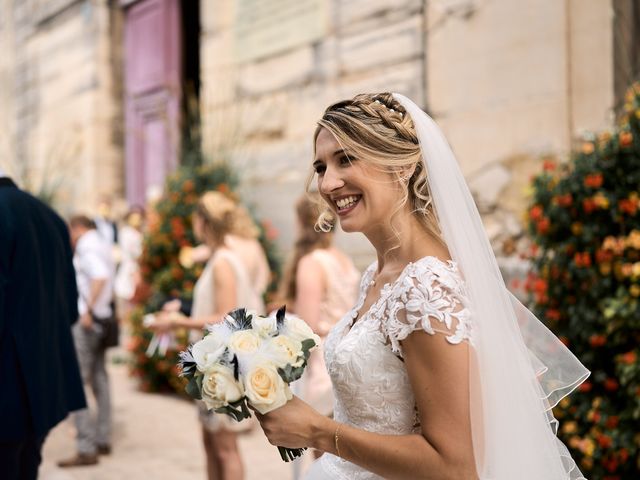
249 361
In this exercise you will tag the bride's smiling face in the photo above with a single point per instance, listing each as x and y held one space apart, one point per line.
362 196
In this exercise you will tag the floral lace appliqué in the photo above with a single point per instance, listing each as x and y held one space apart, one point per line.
428 296
372 388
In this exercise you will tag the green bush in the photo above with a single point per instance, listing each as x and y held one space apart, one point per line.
586 229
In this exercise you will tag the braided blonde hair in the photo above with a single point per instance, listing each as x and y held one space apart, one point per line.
376 128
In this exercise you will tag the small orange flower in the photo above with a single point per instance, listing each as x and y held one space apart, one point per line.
536 212
629 358
587 148
188 186
576 228
593 180
626 139
611 384
597 340
628 205
585 386
589 205
582 259
543 226
623 455
553 314
604 441
627 269
564 200
612 422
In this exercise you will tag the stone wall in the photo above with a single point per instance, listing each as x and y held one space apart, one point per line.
261 112
507 81
63 110
512 81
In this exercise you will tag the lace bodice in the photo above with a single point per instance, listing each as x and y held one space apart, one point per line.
364 356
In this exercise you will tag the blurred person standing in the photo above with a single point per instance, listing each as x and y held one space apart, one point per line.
39 371
94 275
105 225
243 240
321 285
224 285
130 239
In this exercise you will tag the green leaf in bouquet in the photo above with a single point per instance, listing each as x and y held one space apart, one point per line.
308 344
290 373
237 410
194 387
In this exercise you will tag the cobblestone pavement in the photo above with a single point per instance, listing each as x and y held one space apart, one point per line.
155 437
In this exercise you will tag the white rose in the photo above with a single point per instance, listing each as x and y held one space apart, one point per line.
265 389
265 327
298 329
244 341
207 351
220 388
284 350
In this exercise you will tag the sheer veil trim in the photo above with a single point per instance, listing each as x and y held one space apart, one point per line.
519 369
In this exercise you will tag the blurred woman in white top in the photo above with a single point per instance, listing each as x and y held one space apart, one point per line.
130 239
225 284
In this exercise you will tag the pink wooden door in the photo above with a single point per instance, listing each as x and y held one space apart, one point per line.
152 94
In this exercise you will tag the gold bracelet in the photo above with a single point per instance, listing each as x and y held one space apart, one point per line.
336 437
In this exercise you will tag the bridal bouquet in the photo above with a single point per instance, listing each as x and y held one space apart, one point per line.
249 361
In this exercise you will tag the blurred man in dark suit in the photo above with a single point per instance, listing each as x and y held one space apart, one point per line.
39 376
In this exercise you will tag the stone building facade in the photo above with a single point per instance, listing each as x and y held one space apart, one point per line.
60 100
110 80
507 81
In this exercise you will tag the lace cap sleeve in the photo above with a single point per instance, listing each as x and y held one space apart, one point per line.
430 296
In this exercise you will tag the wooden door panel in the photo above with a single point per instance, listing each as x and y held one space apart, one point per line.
152 97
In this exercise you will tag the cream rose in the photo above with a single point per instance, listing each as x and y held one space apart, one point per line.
265 389
265 327
207 351
244 341
297 329
284 350
220 388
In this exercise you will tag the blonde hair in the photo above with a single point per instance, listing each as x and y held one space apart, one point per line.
222 216
375 127
309 239
243 224
218 215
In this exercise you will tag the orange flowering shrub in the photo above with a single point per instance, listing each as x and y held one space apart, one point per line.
585 223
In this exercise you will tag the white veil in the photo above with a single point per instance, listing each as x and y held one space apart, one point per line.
519 369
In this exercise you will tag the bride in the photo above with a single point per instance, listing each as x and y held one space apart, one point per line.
439 373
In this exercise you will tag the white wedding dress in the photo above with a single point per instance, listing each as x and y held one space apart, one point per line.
364 358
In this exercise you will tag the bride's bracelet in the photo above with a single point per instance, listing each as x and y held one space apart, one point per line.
336 437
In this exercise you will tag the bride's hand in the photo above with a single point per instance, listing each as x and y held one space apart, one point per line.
292 425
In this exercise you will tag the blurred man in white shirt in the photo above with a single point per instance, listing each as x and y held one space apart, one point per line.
94 276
